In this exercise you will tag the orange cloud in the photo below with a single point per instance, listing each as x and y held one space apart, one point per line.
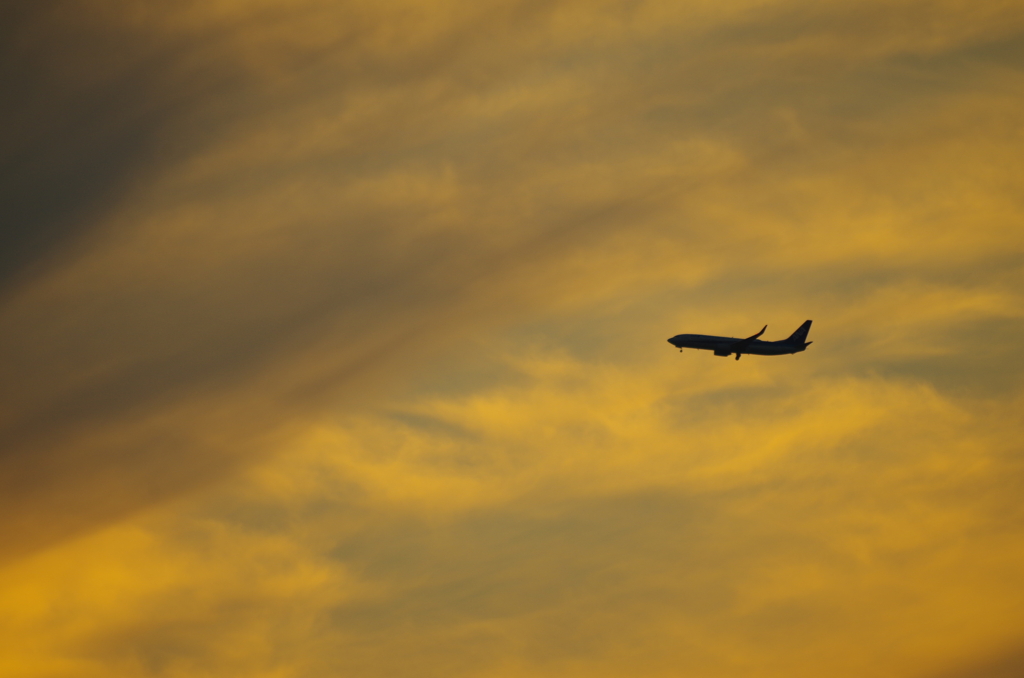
334 339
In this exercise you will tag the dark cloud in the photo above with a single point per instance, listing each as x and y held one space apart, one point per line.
101 107
1007 664
89 112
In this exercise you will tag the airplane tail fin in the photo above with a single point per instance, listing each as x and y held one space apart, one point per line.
800 336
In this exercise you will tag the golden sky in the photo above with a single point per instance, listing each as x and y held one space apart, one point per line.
333 339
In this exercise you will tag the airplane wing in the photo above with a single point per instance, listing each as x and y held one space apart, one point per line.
743 343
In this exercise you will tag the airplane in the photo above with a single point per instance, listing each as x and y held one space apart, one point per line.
726 346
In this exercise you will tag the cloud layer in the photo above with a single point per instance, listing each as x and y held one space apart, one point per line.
344 323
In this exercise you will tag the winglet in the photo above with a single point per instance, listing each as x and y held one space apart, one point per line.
743 343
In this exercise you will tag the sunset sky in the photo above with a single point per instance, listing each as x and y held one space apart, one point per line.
333 339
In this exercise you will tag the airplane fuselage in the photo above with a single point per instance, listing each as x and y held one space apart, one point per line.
725 346
721 345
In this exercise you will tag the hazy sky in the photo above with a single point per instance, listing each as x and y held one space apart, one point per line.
332 339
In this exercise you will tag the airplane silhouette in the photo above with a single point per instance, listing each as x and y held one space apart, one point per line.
725 346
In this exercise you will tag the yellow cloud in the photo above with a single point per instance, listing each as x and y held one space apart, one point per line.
348 356
593 520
